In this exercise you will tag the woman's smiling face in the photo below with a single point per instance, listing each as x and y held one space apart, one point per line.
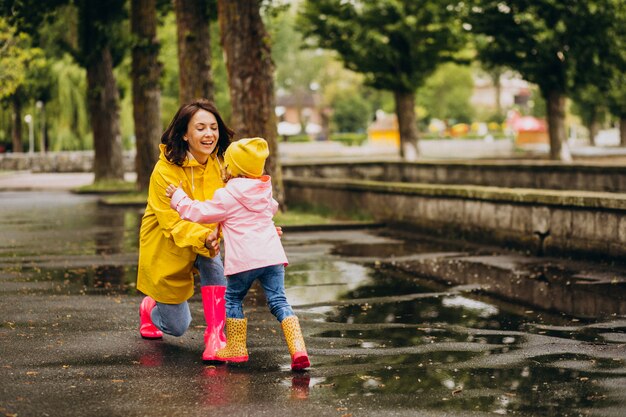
202 135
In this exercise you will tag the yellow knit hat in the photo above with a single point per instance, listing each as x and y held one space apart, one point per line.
246 157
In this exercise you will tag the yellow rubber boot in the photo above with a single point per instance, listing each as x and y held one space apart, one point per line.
236 334
295 342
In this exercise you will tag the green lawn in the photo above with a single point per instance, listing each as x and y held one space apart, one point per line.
295 216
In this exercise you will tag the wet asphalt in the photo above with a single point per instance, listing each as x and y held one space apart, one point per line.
396 323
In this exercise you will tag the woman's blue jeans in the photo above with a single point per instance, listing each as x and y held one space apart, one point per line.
174 319
272 279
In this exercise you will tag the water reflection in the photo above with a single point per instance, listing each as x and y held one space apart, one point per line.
65 243
455 351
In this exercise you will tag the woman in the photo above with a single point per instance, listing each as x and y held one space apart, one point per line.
171 249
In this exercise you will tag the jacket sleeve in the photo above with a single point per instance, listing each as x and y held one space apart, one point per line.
209 211
274 206
184 234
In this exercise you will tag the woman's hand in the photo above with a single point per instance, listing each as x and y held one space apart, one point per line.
212 242
279 231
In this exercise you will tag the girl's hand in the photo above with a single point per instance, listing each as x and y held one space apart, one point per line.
212 242
171 189
279 231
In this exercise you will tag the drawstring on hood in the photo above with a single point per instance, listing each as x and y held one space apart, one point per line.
190 157
193 183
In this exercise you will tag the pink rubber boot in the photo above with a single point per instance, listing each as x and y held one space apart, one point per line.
214 306
146 328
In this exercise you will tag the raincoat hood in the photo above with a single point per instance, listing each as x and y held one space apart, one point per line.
190 161
255 194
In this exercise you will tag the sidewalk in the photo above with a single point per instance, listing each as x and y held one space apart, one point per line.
28 181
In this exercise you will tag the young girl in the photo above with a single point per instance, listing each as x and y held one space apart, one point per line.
245 208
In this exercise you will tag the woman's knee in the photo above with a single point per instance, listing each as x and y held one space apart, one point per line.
172 319
177 328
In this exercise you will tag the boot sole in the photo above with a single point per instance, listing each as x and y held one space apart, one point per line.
151 337
237 359
214 359
300 363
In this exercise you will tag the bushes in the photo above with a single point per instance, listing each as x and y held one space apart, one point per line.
350 139
297 138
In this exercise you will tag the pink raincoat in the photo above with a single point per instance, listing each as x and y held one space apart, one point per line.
244 208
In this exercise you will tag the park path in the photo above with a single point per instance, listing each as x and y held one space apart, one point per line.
383 339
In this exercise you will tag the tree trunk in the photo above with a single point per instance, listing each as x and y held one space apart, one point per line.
594 128
42 128
103 105
622 130
146 73
556 126
251 78
497 84
407 123
16 124
194 51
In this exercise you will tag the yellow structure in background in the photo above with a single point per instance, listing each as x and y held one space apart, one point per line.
530 130
384 130
531 137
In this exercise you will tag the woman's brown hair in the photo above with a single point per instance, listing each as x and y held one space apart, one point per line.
176 147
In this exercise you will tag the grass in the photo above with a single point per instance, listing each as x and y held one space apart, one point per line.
107 187
126 199
309 215
294 217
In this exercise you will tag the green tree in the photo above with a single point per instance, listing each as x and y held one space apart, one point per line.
617 104
558 45
98 46
351 113
446 94
617 85
590 104
22 70
396 44
67 113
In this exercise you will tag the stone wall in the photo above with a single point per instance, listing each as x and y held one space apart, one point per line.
542 221
67 161
510 174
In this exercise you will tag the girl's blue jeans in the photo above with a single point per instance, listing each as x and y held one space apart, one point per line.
272 279
174 319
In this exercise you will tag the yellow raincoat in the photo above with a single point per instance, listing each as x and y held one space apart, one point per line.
168 245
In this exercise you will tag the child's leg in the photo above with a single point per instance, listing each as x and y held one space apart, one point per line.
236 325
237 286
273 281
173 319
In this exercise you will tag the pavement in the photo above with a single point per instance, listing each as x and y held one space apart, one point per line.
396 323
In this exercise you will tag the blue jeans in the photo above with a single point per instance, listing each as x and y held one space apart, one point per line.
174 319
272 279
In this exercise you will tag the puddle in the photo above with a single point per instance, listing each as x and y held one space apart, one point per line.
380 338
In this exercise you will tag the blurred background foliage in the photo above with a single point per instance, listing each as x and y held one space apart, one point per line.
45 68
